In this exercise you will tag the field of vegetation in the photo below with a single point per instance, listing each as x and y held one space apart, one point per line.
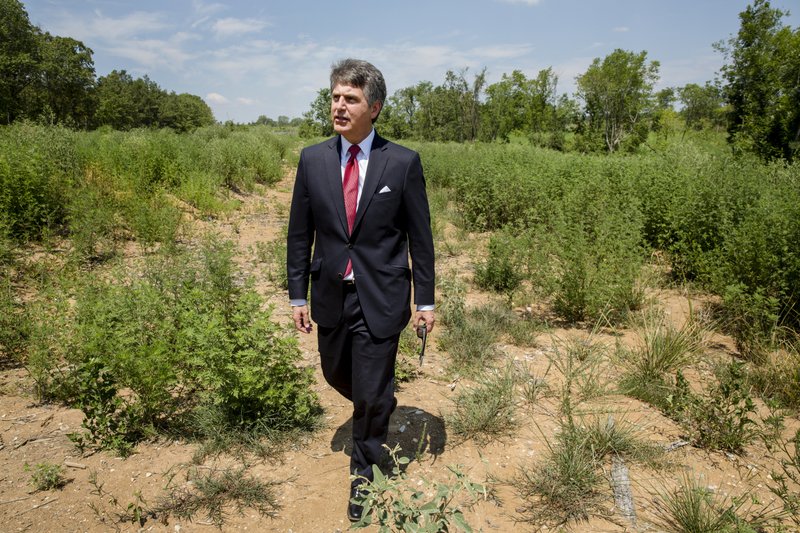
618 310
599 310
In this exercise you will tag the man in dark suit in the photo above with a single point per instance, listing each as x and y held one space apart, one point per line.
360 200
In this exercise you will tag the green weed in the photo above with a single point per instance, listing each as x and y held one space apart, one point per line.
723 418
393 504
46 476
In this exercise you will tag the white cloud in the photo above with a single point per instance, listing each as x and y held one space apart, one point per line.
201 8
502 51
114 28
621 29
216 98
246 101
232 26
152 53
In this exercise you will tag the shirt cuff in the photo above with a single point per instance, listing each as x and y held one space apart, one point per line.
298 302
425 307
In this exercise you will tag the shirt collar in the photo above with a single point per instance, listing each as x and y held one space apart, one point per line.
365 145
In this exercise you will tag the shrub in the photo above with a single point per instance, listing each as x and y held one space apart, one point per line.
751 319
37 165
180 339
501 272
720 420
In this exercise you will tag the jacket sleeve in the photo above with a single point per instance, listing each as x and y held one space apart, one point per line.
420 237
300 236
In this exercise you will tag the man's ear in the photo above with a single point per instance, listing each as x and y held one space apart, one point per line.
377 106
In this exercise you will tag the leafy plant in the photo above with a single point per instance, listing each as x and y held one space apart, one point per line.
111 423
391 504
720 420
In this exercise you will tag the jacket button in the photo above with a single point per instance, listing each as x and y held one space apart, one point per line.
350 245
340 275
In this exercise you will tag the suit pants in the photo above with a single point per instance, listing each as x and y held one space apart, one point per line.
361 368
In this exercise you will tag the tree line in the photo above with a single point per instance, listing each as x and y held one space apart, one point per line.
52 79
615 107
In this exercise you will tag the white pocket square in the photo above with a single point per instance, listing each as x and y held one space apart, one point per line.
385 189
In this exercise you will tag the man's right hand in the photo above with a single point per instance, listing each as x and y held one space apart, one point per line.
302 319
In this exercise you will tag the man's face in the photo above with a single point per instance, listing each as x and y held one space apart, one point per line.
352 115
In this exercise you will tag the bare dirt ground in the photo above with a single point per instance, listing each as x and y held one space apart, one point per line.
312 474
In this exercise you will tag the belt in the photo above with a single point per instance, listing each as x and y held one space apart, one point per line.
349 283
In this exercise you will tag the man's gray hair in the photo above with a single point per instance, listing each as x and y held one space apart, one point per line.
361 74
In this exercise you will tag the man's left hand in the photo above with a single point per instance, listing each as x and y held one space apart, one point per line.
424 317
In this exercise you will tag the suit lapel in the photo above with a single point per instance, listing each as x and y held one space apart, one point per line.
378 158
333 170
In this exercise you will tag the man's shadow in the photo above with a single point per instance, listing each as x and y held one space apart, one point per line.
416 431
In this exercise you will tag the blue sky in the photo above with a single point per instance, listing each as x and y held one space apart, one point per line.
249 58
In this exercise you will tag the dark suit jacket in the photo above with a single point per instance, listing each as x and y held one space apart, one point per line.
388 225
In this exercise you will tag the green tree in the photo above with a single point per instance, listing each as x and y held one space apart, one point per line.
451 111
702 106
184 112
66 79
18 58
264 120
124 102
317 120
763 83
507 105
617 96
398 118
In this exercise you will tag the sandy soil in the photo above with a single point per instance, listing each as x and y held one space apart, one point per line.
313 486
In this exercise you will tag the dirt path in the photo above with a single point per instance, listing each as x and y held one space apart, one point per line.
313 473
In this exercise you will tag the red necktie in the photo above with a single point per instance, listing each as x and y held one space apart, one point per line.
350 189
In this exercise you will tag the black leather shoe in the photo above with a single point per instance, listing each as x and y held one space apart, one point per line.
355 510
394 405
